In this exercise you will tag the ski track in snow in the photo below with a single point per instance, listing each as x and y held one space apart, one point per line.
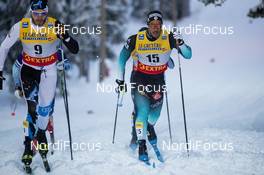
224 103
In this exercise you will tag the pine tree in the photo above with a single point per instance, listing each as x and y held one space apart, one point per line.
112 17
215 2
87 13
171 10
256 12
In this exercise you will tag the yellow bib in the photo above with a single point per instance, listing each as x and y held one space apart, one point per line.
151 57
37 35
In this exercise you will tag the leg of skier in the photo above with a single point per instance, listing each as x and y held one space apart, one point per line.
50 127
30 81
152 119
133 142
142 108
48 79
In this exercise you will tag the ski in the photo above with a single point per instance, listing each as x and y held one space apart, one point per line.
158 154
52 140
133 146
156 150
148 163
35 145
45 163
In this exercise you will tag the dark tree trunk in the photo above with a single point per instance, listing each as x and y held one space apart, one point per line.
102 65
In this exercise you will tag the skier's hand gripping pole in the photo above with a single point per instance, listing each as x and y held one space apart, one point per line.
122 89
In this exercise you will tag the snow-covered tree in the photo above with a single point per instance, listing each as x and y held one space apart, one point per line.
256 12
172 10
11 12
113 16
215 2
141 8
87 13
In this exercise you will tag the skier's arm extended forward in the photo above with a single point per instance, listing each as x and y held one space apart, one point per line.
124 56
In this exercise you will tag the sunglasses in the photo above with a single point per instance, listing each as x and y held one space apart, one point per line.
36 13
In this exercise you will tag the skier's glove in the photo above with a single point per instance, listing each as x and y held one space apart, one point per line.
67 65
18 92
178 37
60 31
1 80
122 87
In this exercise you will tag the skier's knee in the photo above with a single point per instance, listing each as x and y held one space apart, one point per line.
154 116
152 119
42 122
43 116
142 114
152 137
44 111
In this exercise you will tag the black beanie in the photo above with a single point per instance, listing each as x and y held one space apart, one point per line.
154 15
39 4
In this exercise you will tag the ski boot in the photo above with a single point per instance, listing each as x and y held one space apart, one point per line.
43 148
142 152
27 156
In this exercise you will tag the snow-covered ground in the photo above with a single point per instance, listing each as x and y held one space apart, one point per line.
224 105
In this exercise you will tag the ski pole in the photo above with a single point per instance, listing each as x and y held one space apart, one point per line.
120 101
168 113
116 113
183 104
65 97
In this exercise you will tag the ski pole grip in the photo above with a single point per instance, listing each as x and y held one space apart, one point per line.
120 100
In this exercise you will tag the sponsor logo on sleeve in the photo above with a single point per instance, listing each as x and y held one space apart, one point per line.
50 25
25 25
141 37
164 37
